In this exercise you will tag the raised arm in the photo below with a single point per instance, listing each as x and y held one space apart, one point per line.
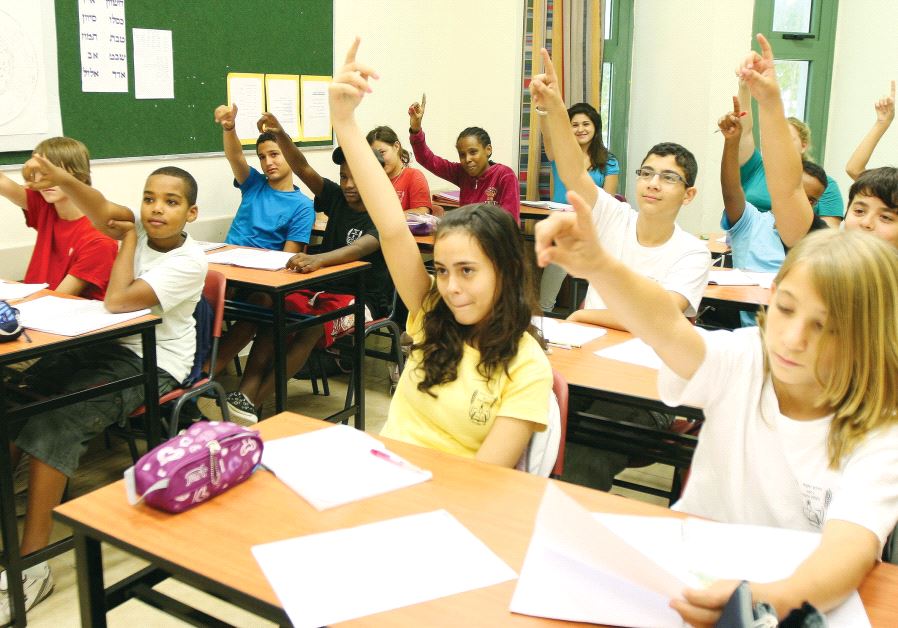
639 303
885 113
397 243
782 162
268 123
439 166
546 95
13 192
233 149
40 174
730 183
747 139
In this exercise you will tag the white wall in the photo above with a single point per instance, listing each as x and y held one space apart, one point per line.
866 59
469 67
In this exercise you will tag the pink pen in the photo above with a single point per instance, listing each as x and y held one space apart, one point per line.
399 462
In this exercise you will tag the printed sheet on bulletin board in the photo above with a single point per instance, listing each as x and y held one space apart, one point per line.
208 41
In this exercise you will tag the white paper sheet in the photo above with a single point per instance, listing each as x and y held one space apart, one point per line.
282 96
566 577
562 207
633 351
9 291
316 114
251 258
384 565
740 278
247 91
336 466
154 70
210 246
70 317
559 332
104 46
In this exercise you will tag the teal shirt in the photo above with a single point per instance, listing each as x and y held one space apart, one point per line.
754 183
559 194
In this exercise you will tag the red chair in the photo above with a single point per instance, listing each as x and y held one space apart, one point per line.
559 387
540 442
214 293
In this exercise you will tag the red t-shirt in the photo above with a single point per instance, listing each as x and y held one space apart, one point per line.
67 247
412 189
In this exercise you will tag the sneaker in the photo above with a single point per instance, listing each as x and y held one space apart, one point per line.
208 406
241 409
37 588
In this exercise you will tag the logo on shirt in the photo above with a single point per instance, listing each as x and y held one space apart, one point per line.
353 234
816 500
491 193
481 405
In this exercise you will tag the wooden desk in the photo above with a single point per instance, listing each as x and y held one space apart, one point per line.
209 547
277 284
749 298
11 413
425 243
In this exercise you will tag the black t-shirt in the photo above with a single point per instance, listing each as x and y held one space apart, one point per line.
345 226
816 224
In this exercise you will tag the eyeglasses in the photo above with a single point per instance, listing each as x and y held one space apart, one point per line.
666 176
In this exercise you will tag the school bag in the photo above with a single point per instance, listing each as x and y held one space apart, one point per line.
10 327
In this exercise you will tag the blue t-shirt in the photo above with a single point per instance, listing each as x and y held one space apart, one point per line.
756 246
754 183
559 194
267 218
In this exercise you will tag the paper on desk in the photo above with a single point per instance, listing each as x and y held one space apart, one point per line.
251 258
576 569
10 291
335 466
70 317
385 565
210 246
569 583
737 277
561 332
561 207
633 351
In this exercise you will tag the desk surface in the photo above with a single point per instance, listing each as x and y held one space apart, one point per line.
498 505
749 295
41 339
277 278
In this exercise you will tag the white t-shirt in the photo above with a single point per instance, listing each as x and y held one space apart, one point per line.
754 465
680 265
177 278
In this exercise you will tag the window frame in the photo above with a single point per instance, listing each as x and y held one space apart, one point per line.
618 51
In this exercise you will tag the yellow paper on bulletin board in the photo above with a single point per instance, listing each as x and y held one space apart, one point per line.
282 99
247 91
316 117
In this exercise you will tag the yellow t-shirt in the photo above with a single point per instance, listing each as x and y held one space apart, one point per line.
458 419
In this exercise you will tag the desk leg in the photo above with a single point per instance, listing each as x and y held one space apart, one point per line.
358 379
9 531
280 353
150 386
91 595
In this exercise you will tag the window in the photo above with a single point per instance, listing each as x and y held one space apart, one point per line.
618 27
802 33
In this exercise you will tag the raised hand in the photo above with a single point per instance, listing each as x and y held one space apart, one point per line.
759 73
226 116
40 173
569 239
545 90
350 85
416 113
885 107
268 123
730 125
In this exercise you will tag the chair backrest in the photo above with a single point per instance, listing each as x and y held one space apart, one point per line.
214 291
208 316
560 388
544 454
437 210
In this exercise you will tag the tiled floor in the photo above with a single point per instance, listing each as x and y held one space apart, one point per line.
102 465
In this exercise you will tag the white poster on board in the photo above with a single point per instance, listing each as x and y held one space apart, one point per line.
29 92
154 73
104 45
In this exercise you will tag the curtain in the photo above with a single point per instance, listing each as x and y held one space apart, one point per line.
571 30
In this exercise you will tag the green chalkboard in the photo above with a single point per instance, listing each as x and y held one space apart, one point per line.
209 39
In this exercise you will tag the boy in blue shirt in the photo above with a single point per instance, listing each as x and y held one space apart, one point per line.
159 266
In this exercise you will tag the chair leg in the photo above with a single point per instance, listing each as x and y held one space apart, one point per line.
237 366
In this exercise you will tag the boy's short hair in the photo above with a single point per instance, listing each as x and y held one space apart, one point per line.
684 159
879 182
267 136
809 167
339 158
190 186
69 154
